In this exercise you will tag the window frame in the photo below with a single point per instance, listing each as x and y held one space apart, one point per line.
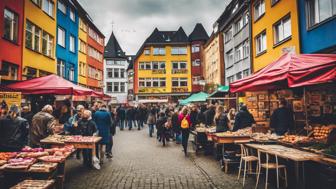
179 50
60 6
258 3
263 33
14 26
72 44
281 22
49 2
72 15
59 28
49 44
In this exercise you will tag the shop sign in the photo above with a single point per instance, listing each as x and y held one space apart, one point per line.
158 71
180 71
11 98
180 90
152 90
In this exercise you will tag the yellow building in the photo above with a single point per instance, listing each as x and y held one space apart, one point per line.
162 67
82 51
275 30
39 38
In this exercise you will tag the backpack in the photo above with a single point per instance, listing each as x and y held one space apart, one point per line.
184 123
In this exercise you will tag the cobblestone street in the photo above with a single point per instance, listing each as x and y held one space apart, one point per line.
142 162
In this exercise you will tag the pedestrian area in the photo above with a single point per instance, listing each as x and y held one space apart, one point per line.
142 162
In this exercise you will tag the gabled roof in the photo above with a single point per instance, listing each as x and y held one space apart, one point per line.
199 33
131 59
229 14
113 49
164 37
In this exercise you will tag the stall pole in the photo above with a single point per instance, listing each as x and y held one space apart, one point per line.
305 105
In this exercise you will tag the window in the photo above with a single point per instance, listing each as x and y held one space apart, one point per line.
61 36
61 6
122 73
261 43
259 9
109 87
155 65
235 8
196 62
282 30
162 65
230 79
141 65
159 51
47 44
246 19
162 82
10 26
71 73
116 72
95 54
179 82
239 75
195 48
60 68
72 44
179 65
9 71
82 25
37 2
72 15
82 46
229 56
228 35
148 66
115 86
122 87
239 25
82 68
320 10
33 34
109 72
179 50
246 73
147 51
238 53
148 82
274 1
48 7
95 36
155 82
246 49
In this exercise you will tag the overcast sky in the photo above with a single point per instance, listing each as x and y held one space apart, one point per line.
134 20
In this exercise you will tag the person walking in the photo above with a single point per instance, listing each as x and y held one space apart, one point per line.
243 119
193 116
151 121
121 115
13 131
176 126
43 124
282 119
87 127
129 117
185 123
161 129
103 120
209 115
142 115
112 131
221 119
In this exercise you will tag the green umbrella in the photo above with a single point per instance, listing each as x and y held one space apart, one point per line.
198 97
221 89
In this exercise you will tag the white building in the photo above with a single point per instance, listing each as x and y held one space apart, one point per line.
115 71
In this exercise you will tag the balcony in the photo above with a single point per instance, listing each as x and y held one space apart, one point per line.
179 71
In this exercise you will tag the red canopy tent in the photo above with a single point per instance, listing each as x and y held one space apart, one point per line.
51 84
290 70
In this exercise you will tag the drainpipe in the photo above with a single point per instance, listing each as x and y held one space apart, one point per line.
249 7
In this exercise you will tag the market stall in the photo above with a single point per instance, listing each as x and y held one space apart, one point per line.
221 94
197 97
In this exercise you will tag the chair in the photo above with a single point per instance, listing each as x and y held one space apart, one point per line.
247 158
267 165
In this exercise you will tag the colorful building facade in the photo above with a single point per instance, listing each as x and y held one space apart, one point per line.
11 26
317 26
67 40
38 56
275 30
198 37
162 67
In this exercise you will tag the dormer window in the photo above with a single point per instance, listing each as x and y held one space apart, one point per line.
235 8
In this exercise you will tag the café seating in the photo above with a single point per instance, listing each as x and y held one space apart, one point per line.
246 158
270 165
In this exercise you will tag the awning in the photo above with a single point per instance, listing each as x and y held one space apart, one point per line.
220 92
290 70
198 97
51 84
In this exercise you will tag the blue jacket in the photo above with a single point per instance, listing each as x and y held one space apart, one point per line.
103 121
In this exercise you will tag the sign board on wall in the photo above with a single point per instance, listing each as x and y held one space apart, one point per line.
152 90
11 98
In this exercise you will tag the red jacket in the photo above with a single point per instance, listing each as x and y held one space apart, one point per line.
181 116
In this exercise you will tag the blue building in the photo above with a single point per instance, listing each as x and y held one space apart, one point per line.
67 40
317 26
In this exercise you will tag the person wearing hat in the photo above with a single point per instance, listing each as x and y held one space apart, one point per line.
72 126
13 131
243 118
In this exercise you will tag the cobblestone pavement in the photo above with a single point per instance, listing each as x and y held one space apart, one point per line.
142 162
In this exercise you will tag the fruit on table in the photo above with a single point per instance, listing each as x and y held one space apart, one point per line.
295 139
7 155
321 132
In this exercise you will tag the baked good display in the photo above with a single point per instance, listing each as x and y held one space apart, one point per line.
20 163
7 155
321 133
52 159
241 132
43 167
34 184
294 139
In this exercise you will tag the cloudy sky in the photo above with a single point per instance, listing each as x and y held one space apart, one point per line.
134 20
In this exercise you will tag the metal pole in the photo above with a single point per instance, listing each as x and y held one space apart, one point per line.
305 105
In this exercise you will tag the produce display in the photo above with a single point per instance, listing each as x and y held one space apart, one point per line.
20 163
294 139
203 129
80 139
265 137
69 138
321 133
241 132
42 167
52 159
34 184
7 155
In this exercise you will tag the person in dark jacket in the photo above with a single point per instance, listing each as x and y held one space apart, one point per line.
130 117
243 119
137 112
176 126
282 119
143 115
151 120
121 116
13 131
193 116
209 115
87 127
161 130
103 120
27 114
221 119
200 115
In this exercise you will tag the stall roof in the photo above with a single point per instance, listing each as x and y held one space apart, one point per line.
290 70
51 84
198 97
220 92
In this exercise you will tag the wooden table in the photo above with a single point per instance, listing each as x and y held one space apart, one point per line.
298 156
40 183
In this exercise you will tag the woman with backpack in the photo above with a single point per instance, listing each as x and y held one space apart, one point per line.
185 123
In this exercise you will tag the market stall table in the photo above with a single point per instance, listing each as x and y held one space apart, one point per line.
298 156
36 184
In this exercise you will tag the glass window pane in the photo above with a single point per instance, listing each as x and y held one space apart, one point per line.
325 9
287 28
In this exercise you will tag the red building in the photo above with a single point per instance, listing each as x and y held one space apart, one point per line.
95 58
198 38
11 23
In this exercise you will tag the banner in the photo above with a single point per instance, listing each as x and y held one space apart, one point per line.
10 98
